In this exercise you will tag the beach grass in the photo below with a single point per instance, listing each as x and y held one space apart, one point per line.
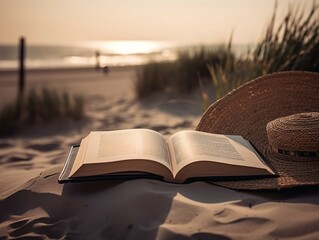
153 77
180 76
44 105
293 45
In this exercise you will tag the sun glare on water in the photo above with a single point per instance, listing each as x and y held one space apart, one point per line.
129 47
121 53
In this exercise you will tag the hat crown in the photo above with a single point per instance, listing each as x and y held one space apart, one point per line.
295 133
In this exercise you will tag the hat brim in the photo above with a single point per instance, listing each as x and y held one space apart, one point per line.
246 111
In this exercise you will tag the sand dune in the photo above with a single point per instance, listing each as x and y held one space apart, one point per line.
34 205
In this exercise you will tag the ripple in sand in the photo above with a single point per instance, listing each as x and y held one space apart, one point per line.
42 226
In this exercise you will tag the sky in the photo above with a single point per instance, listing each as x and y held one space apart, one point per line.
183 21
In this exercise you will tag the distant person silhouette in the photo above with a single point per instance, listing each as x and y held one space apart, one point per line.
105 69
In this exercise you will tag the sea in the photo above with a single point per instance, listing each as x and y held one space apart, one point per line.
86 54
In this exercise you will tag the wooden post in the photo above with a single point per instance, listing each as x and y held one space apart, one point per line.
21 65
97 59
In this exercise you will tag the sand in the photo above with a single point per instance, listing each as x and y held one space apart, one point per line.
34 205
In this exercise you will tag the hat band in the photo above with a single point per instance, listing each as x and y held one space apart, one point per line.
296 153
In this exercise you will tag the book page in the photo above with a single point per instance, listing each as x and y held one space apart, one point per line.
191 146
108 146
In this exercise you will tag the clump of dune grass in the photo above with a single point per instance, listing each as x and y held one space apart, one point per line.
44 105
76 112
180 76
293 45
233 72
153 77
8 119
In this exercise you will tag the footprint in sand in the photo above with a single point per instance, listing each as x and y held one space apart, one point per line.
5 145
44 147
146 115
17 157
57 160
160 128
120 101
114 120
141 126
183 124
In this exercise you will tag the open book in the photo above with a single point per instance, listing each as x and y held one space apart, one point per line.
142 152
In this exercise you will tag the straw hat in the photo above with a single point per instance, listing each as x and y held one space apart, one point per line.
279 114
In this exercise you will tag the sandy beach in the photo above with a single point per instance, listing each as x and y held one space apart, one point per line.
34 205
